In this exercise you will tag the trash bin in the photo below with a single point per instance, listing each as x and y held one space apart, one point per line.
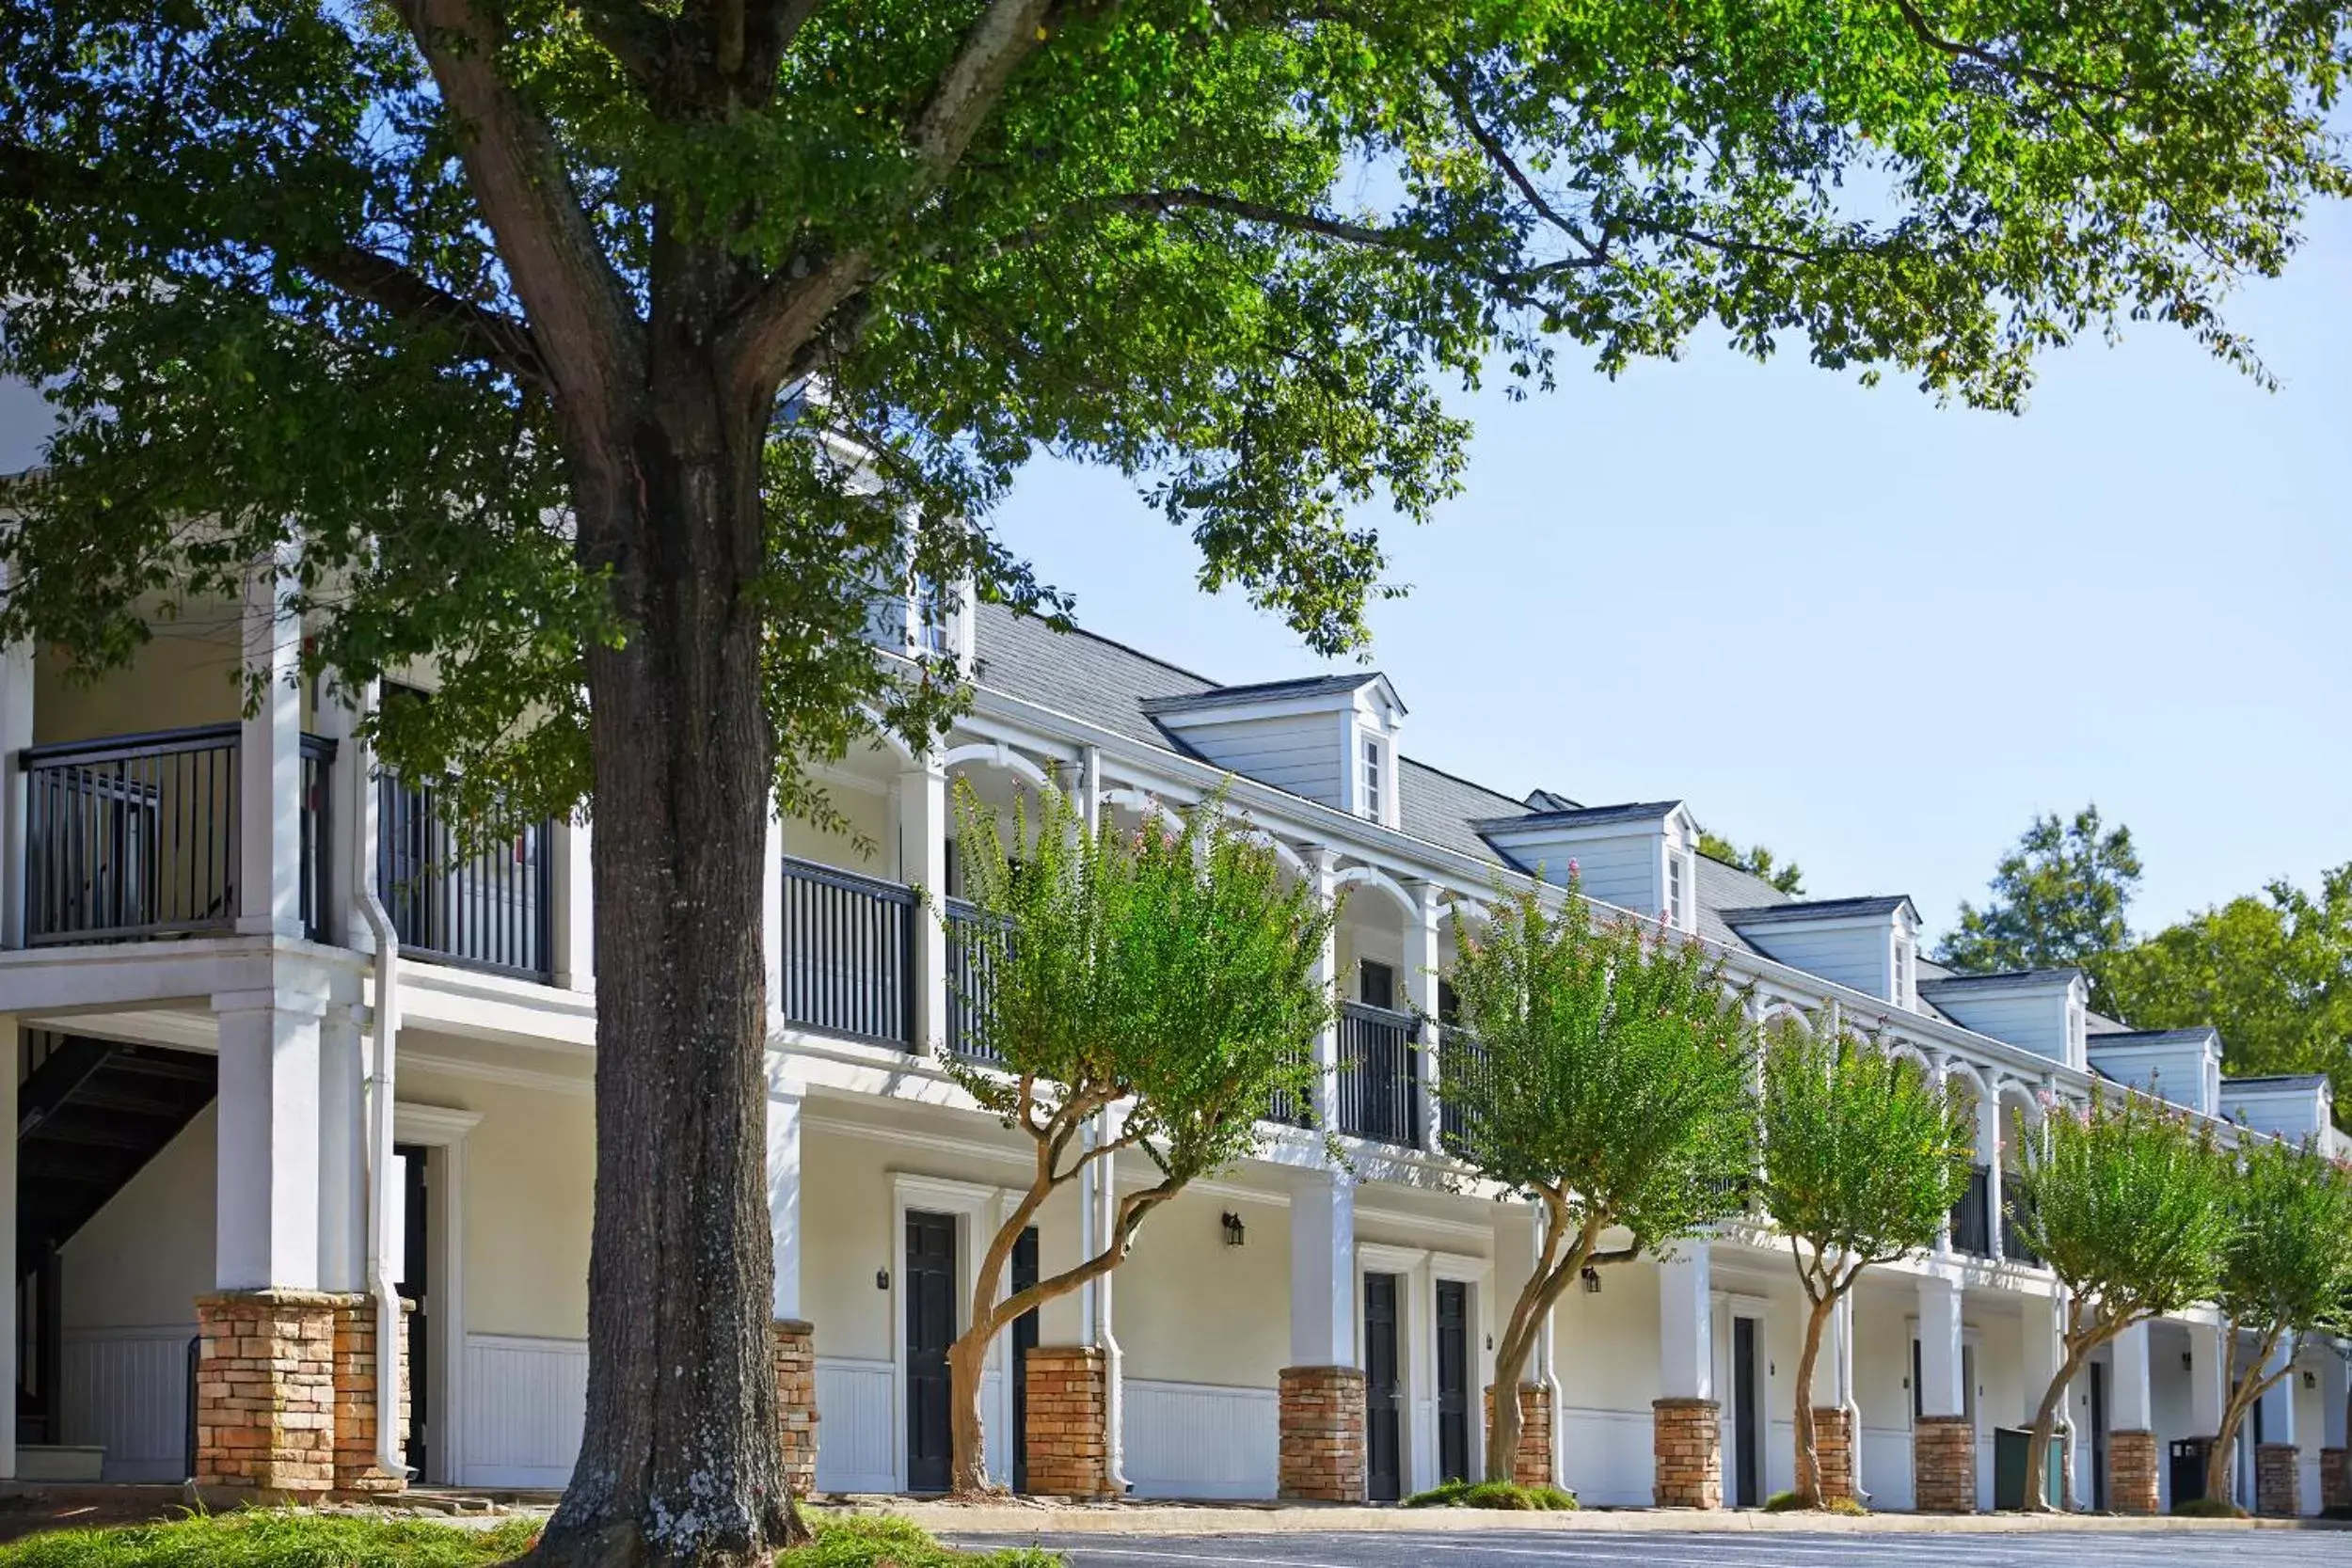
2009 1445
2189 1457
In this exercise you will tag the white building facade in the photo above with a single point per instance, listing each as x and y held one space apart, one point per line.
285 1051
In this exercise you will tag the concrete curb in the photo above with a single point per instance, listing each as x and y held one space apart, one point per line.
1032 1519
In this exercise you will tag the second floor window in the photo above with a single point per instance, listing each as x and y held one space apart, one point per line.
1375 799
1375 985
1678 890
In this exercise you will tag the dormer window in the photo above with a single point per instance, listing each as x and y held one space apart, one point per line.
1906 972
1375 783
1678 891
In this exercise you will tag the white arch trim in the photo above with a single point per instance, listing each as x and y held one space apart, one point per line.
1372 876
881 735
998 755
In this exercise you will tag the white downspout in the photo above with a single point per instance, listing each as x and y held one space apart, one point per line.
1114 1364
384 1218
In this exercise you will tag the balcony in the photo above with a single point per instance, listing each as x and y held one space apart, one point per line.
968 963
849 954
1972 1217
2014 1248
1461 1060
1380 1085
137 837
472 895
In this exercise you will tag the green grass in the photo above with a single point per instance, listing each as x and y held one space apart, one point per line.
269 1539
262 1538
1788 1502
1494 1494
2208 1508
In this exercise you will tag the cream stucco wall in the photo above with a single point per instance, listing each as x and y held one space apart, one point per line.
1191 1308
146 1257
1605 1346
187 676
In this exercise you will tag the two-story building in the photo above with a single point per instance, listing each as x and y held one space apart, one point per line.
288 1046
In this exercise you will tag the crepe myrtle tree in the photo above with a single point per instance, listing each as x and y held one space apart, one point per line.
1864 1157
2286 1274
1605 1065
1151 990
611 357
2128 1204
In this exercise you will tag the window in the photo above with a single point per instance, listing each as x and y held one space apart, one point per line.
1677 897
1375 985
1375 805
1904 973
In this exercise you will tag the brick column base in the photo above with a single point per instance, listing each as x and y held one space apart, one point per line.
794 1343
1532 1465
2335 1479
1833 1439
1068 1439
2278 1480
355 1468
266 1394
2132 1472
1322 1427
1687 1444
1944 1465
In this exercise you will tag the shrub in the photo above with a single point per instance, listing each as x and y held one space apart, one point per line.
1790 1502
880 1542
266 1538
1505 1495
2208 1508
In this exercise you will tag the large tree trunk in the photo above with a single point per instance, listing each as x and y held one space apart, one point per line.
678 1460
1808 1431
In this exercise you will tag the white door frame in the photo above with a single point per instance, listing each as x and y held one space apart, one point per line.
1729 1306
1417 1355
974 1208
442 1131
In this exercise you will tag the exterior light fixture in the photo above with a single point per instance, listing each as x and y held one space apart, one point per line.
1236 1234
1592 1281
881 1279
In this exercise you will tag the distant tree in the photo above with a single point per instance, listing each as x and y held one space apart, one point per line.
2286 1272
1755 860
1863 1159
1605 1066
2273 973
1166 977
2129 1205
2058 897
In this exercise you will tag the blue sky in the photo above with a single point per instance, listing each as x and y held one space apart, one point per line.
1877 634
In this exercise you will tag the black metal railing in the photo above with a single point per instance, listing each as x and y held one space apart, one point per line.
474 895
137 835
969 964
2014 1248
1379 1084
1461 1066
1972 1217
848 954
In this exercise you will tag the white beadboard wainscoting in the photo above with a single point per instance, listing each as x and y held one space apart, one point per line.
1607 1457
1200 1440
1886 1467
126 1390
856 1451
525 1400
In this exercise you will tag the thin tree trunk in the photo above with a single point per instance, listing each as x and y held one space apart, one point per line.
2046 1419
1535 1300
2243 1391
678 1459
1808 1433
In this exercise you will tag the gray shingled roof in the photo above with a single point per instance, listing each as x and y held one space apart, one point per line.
2277 1081
1816 908
2014 979
2202 1034
1259 692
1582 816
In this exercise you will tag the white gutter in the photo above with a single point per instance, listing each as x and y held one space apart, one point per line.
384 1195
1114 1360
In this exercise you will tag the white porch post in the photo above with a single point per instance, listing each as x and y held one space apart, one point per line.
785 1097
923 863
2279 1402
2335 1387
571 887
16 733
1327 1087
267 1202
2208 1378
1421 990
2135 1480
343 1149
1942 1369
771 932
269 762
9 1331
2131 1406
1323 1270
1988 1151
1686 1324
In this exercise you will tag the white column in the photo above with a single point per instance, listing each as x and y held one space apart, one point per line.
16 733
1989 1152
771 918
266 1204
2335 1386
571 887
784 1197
343 1149
8 1332
1323 1270
1686 1323
2278 1403
1420 991
2208 1378
923 863
2131 1403
1327 1087
269 762
1091 788
1943 1390
336 719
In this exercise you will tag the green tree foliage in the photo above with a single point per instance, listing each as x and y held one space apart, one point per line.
2059 898
2286 1273
1755 860
496 309
1148 991
1605 1066
2273 973
1863 1159
2129 1206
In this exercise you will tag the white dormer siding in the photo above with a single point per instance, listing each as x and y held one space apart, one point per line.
2294 1107
1869 943
2041 1010
2183 1066
1333 739
1642 857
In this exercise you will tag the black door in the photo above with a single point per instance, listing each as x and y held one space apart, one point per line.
413 1285
1024 1340
2098 1437
1747 1417
1452 1380
930 1297
1383 1419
